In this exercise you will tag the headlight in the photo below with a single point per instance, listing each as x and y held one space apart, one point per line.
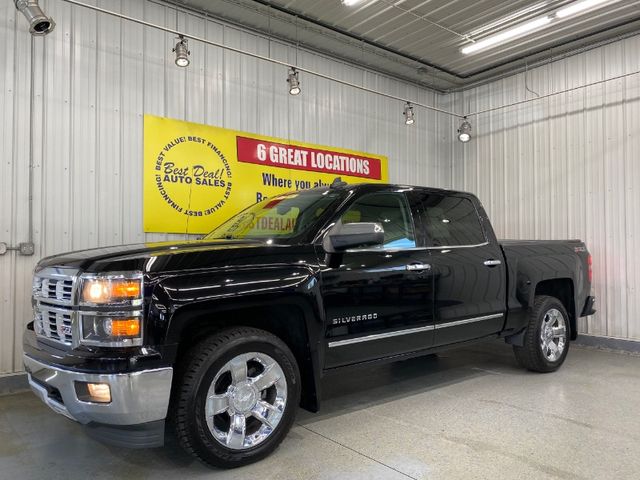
112 330
116 320
111 289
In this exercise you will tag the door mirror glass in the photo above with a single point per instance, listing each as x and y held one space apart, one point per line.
352 235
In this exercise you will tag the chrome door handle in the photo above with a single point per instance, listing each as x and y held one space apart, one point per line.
492 263
418 267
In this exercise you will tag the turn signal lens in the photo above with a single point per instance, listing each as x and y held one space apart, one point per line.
129 327
108 331
590 268
111 289
126 289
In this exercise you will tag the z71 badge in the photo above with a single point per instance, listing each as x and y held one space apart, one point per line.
354 318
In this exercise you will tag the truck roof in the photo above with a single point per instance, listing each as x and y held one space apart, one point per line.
383 186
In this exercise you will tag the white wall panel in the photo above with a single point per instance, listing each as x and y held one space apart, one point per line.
566 167
96 76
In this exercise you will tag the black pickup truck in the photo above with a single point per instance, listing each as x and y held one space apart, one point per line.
221 339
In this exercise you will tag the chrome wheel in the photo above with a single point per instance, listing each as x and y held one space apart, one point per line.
246 400
553 335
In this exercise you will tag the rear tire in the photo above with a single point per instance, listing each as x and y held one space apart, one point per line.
235 397
546 340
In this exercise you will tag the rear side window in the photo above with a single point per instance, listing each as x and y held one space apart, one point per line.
451 221
388 209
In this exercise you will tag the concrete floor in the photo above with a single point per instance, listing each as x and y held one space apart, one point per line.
469 413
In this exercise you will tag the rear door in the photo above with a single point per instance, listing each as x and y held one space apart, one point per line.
379 301
468 268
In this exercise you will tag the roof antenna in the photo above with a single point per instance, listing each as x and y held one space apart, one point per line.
338 183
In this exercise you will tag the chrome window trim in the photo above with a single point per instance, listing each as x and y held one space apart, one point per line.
384 250
451 247
408 331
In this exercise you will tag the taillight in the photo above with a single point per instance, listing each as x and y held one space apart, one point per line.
590 268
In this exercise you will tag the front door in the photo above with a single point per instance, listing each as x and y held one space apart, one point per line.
379 301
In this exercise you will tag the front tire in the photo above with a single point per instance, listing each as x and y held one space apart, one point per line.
546 340
236 397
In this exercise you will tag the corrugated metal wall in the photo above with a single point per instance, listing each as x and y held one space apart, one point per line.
556 168
566 167
96 76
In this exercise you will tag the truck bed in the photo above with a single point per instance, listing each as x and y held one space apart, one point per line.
511 243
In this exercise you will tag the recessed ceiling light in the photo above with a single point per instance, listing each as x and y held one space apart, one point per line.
351 3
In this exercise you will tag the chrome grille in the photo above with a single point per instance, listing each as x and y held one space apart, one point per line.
54 323
53 288
53 299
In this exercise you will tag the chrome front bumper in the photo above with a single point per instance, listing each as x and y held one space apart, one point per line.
136 398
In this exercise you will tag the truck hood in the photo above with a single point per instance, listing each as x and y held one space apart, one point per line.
158 256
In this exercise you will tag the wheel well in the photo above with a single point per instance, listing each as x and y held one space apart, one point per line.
562 289
285 322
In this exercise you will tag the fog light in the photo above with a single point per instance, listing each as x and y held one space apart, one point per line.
93 392
99 392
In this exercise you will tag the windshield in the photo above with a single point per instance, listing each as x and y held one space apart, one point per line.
283 216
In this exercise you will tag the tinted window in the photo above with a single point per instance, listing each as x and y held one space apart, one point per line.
451 221
388 209
283 216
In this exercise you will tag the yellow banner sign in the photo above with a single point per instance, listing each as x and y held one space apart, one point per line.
197 176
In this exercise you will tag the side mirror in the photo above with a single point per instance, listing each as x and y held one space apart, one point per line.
350 235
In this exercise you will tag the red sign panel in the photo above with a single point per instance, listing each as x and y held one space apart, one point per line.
261 152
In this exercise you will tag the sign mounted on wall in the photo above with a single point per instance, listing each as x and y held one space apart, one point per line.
197 176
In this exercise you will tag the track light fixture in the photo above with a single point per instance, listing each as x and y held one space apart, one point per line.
409 116
182 52
294 82
39 23
464 132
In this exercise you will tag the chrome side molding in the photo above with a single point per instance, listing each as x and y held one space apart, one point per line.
408 331
380 336
468 320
